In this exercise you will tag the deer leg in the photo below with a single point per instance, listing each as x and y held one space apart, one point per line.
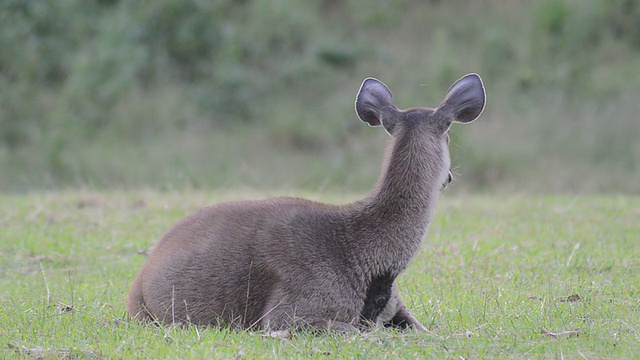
305 315
310 324
403 319
328 325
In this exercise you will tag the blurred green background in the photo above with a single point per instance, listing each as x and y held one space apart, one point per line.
181 94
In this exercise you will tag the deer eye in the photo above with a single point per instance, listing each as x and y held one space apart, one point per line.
448 181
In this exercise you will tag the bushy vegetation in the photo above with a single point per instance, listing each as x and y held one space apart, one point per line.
175 93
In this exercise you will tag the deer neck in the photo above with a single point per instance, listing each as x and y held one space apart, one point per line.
410 182
395 217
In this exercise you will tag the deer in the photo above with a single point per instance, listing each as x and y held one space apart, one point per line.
290 263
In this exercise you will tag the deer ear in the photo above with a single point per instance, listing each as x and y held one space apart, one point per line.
465 99
374 99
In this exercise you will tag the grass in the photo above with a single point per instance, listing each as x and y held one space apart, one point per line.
491 274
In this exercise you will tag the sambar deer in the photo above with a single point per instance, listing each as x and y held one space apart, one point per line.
292 263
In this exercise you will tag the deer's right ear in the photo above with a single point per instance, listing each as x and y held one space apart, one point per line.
465 99
374 100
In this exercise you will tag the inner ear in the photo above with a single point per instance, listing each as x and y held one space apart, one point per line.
374 101
465 99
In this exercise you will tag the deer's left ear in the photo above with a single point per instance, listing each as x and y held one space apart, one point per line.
374 104
465 99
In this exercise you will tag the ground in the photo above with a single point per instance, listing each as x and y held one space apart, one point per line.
496 277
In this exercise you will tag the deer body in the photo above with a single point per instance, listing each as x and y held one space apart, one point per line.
290 262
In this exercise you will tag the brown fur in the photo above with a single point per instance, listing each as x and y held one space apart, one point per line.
290 262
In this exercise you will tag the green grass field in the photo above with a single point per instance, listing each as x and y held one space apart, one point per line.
492 273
